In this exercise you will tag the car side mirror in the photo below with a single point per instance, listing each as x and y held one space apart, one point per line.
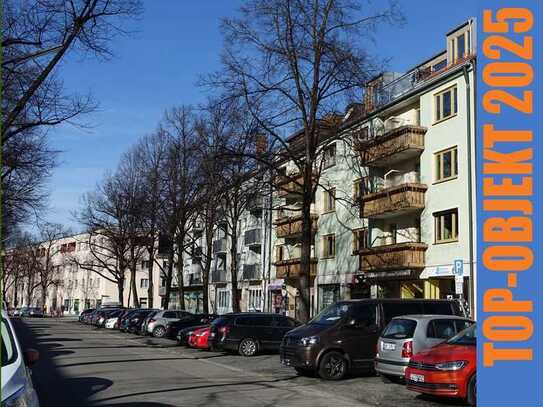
31 356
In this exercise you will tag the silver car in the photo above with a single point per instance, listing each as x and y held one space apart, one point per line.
17 388
156 326
407 335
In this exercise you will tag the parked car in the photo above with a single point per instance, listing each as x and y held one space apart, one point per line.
24 311
145 323
449 369
251 332
123 320
135 319
157 324
184 334
107 314
343 336
192 320
17 387
84 313
112 323
17 312
35 312
199 338
410 334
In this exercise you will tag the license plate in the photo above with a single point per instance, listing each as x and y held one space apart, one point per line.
416 377
389 346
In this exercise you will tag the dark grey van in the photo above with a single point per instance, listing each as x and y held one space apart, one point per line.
343 336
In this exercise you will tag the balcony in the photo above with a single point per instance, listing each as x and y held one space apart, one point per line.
393 201
291 226
393 256
399 144
218 276
290 186
219 246
290 268
251 272
253 237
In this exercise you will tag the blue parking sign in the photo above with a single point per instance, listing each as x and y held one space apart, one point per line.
458 267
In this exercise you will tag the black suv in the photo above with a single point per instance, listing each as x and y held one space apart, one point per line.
250 333
343 336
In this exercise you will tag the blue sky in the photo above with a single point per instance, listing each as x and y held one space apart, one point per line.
157 67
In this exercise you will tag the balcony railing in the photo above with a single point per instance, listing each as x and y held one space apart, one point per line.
393 256
219 246
291 226
253 237
251 272
290 268
218 276
395 145
290 187
393 201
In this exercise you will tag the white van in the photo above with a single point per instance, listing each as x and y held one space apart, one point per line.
17 388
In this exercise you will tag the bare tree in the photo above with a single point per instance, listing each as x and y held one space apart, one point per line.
48 250
180 190
36 37
149 156
294 62
111 215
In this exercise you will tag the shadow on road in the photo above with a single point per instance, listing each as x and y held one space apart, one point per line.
53 388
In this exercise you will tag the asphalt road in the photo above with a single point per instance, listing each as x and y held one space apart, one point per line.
84 366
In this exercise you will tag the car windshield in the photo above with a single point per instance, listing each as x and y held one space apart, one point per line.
466 337
9 351
400 329
331 314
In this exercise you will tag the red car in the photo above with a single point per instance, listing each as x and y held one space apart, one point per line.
199 338
448 369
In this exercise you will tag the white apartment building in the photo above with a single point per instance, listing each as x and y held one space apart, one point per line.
395 205
75 288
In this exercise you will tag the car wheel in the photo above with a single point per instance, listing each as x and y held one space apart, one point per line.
248 347
333 366
472 391
159 332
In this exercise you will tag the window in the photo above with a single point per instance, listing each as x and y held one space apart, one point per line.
9 350
441 329
255 300
330 200
460 46
329 246
446 226
223 299
438 66
446 103
361 187
446 164
400 329
283 321
357 190
329 156
169 315
328 295
145 264
360 239
144 283
395 309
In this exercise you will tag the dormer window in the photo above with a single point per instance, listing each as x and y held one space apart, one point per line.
460 45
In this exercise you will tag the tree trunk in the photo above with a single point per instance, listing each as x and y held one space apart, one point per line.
234 266
43 297
169 275
15 293
180 266
303 306
120 289
207 269
151 286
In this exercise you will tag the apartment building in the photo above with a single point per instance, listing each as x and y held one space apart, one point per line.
395 204
76 288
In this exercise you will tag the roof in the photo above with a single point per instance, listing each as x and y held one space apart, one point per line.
425 317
